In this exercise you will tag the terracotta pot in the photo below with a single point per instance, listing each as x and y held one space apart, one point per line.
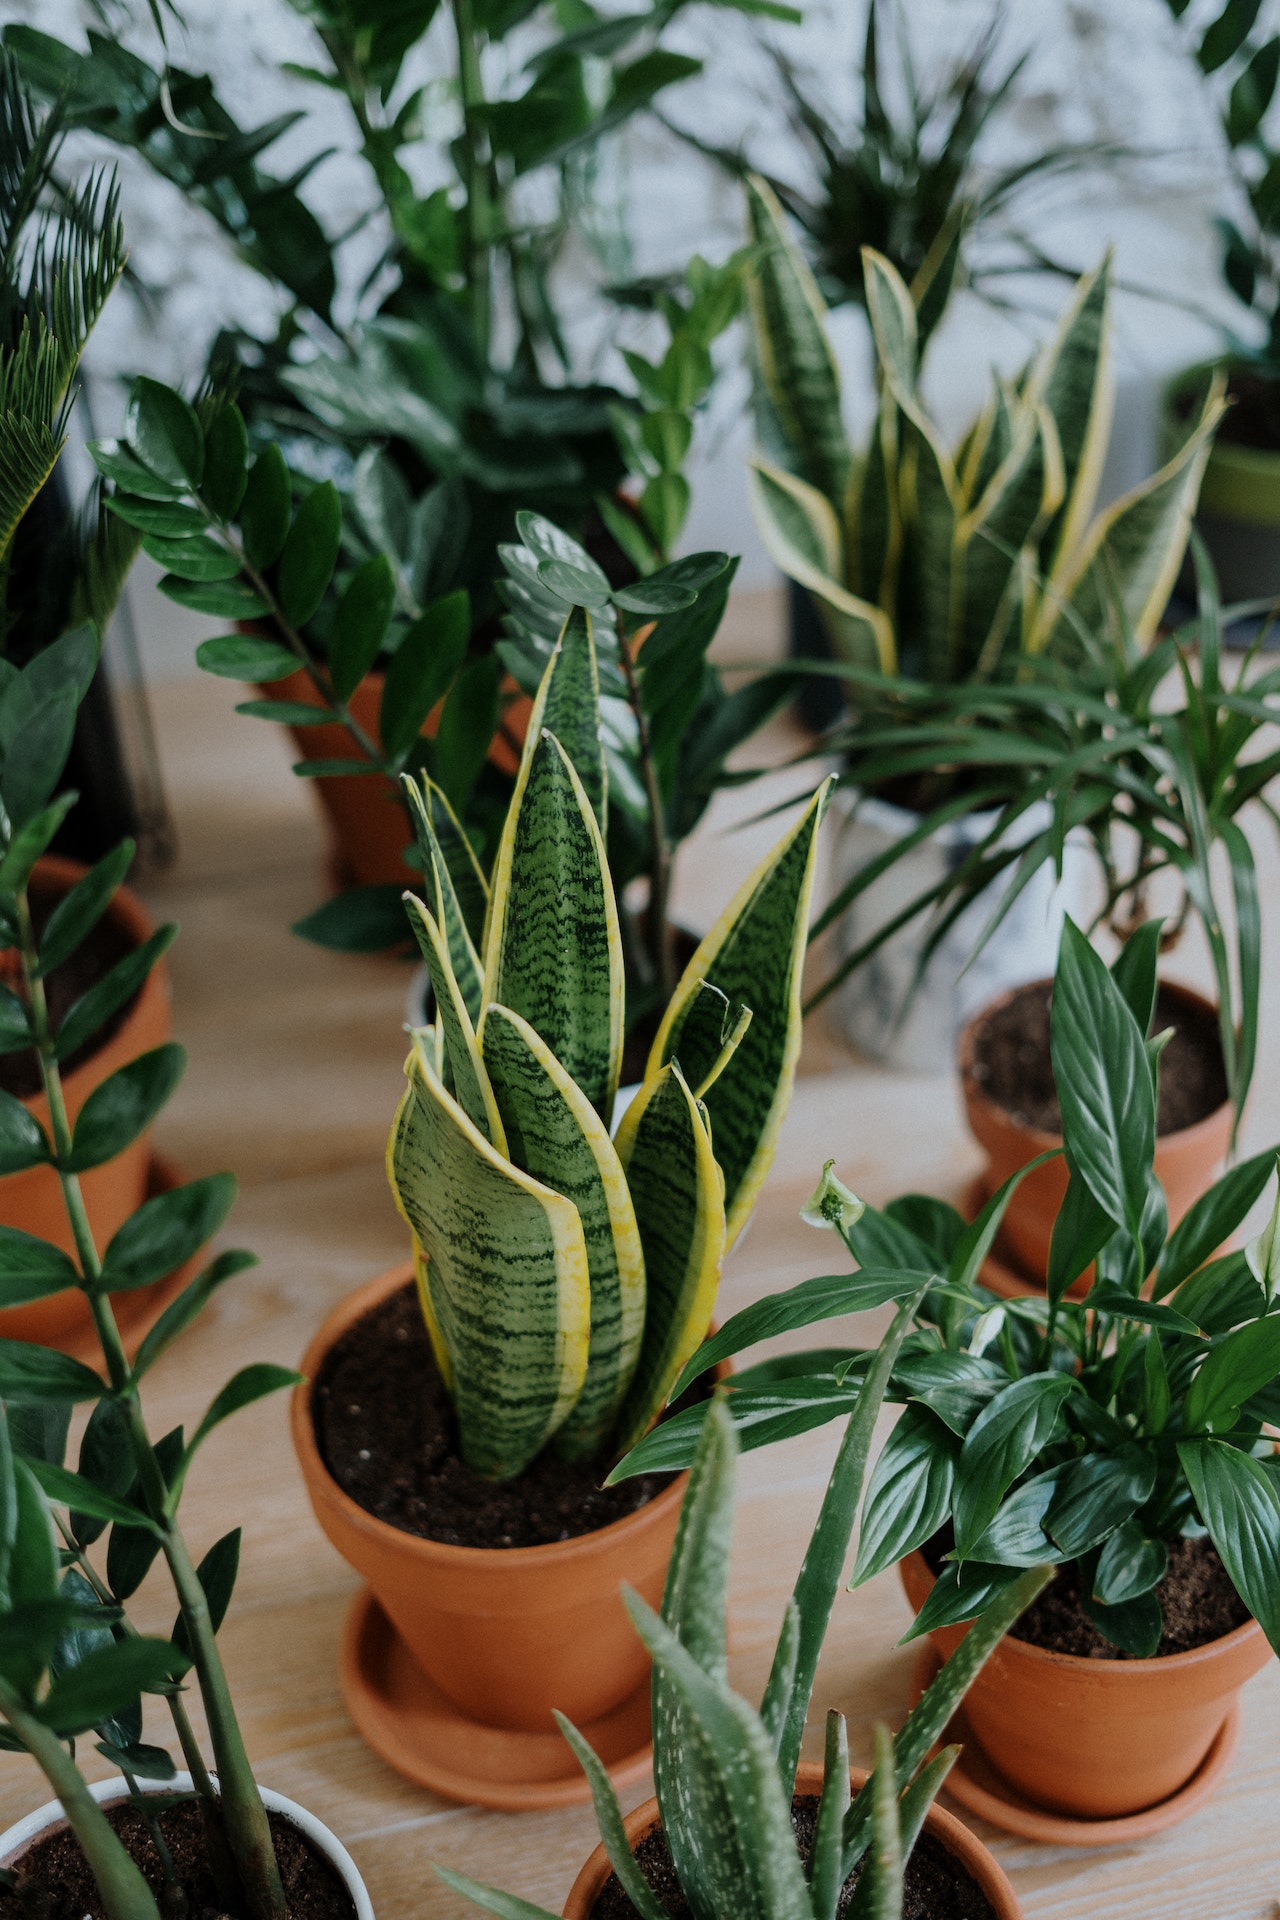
50 1818
368 823
1097 1738
33 1200
1186 1161
944 1827
505 1634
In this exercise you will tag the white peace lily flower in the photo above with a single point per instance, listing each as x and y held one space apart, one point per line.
831 1204
1263 1252
986 1328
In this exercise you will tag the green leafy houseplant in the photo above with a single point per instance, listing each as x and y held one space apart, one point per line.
1093 1431
1153 782
71 1628
725 1775
580 1269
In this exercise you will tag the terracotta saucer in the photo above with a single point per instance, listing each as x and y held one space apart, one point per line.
975 1783
410 1723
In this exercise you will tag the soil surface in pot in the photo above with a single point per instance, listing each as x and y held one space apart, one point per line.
107 943
938 1886
1196 1597
53 1881
1011 1061
386 1431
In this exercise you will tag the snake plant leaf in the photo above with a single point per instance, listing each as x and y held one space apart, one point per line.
797 365
462 1069
568 705
725 1816
1073 380
459 891
554 1133
664 1144
873 524
1016 506
892 314
507 1271
799 527
754 955
1132 552
554 949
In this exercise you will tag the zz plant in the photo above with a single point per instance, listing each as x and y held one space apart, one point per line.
724 1773
576 1267
1092 1430
950 564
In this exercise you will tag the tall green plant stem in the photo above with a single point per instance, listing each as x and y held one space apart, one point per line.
475 170
661 946
243 1815
125 1894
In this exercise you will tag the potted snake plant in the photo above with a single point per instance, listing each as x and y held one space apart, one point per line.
1122 1436
462 1410
739 1824
938 567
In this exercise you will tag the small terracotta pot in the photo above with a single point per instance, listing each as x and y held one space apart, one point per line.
368 823
1097 1738
944 1827
32 1200
1185 1162
50 1819
505 1634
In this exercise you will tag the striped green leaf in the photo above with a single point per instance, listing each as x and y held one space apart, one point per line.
725 1816
1015 507
794 355
1073 380
554 951
507 1272
462 1069
459 894
799 527
568 705
754 955
554 1133
664 1144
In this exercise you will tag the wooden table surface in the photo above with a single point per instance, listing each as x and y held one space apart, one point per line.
295 1061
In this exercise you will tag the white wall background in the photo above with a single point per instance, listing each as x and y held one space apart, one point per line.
1105 70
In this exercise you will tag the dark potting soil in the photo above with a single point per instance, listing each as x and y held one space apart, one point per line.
387 1433
1011 1061
54 1881
938 1886
1196 1597
107 943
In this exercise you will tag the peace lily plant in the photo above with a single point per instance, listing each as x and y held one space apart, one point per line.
725 1774
573 1269
1093 1430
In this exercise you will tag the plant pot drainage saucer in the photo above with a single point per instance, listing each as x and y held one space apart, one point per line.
410 1723
979 1788
136 1312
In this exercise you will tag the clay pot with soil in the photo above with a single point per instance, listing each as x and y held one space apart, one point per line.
31 1199
52 1879
1013 1112
949 1876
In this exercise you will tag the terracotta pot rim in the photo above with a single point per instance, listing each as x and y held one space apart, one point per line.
352 1308
979 1097
955 1836
1155 1664
125 908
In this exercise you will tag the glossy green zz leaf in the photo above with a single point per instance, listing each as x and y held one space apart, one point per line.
264 510
80 910
31 1268
41 1373
166 1231
246 656
226 453
422 669
223 599
124 1106
360 624
310 554
217 1575
22 1139
163 432
104 1684
200 558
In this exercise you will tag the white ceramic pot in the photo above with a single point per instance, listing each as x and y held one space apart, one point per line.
918 1034
48 1818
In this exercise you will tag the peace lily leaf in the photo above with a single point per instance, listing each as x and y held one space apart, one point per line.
1005 1438
554 1134
1104 1082
664 1145
959 1593
1129 1565
507 1265
1210 1220
554 949
1242 1363
1016 1536
1097 1494
910 1492
1240 1505
1263 1253
754 954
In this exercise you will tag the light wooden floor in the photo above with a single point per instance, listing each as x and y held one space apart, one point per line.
295 1062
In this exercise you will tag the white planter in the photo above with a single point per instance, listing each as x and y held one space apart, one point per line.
49 1817
872 1004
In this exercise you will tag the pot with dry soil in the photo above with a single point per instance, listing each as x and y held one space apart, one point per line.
1012 1109
52 1881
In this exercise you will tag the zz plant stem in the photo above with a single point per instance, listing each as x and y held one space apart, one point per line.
244 1816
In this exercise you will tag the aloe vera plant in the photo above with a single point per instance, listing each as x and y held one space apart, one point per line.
939 563
724 1773
573 1269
